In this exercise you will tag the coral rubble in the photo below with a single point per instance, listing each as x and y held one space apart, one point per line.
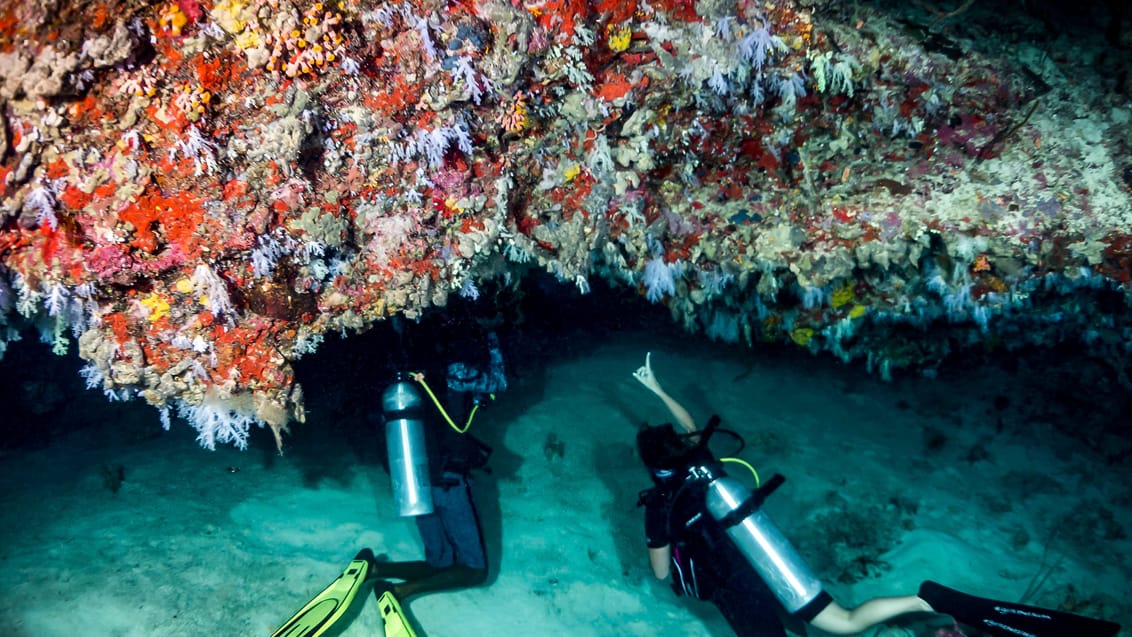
197 191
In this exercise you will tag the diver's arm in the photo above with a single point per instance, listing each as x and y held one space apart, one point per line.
660 559
647 378
839 621
683 418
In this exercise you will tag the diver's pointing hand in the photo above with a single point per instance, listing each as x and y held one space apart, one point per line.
645 376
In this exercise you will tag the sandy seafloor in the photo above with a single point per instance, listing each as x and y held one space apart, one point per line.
979 495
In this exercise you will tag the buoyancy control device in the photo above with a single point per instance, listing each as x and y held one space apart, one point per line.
408 454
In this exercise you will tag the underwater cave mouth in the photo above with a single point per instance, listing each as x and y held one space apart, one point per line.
541 321
538 320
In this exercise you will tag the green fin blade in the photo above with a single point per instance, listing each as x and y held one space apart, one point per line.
328 606
396 624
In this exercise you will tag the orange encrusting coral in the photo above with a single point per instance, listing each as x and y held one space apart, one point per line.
249 354
160 221
560 16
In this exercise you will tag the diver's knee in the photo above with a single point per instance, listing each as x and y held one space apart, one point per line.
477 576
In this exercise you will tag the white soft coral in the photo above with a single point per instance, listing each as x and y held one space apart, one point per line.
219 419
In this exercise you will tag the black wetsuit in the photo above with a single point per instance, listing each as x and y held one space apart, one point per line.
451 534
706 564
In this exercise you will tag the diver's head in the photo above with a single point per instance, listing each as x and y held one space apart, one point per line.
663 451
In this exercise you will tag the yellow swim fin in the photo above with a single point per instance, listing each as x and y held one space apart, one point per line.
328 606
396 623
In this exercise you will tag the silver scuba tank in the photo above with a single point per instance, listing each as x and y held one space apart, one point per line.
408 455
764 546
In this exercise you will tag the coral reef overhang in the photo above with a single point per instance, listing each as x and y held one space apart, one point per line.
194 193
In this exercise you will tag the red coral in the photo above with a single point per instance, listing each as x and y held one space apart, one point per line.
1117 263
176 217
119 325
615 11
74 198
560 16
683 10
613 86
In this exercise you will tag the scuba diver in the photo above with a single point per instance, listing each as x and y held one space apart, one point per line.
430 459
708 532
430 455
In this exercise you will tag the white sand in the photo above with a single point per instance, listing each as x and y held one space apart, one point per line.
189 546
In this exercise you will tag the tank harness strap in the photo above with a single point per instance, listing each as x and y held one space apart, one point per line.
415 412
753 503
